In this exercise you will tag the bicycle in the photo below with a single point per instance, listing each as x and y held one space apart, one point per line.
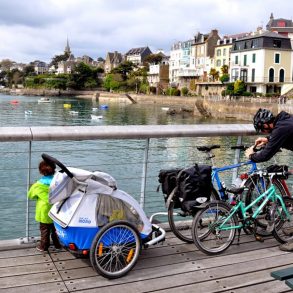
180 222
214 226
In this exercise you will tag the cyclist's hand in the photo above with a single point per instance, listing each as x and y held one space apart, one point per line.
249 152
261 141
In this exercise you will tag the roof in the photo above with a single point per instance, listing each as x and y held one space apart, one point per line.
265 34
137 51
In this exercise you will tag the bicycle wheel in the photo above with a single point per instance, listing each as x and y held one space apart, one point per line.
257 185
180 222
205 228
283 230
115 249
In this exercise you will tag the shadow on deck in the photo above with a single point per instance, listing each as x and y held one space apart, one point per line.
171 267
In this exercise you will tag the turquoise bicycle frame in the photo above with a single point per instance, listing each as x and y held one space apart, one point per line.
269 194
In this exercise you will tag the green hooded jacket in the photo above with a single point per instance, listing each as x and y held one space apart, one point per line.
39 192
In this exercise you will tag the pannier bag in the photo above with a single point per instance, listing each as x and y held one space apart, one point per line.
194 186
168 180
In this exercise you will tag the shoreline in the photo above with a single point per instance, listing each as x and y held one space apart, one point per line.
217 107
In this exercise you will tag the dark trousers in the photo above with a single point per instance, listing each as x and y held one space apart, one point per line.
46 231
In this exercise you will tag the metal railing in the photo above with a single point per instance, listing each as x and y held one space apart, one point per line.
118 149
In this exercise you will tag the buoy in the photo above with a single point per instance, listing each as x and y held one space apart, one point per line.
14 102
67 106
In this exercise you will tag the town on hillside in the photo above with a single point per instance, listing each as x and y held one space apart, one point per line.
256 63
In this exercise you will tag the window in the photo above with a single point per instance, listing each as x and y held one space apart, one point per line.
224 52
253 58
236 59
254 43
253 75
218 52
277 43
243 75
245 60
218 63
277 58
224 61
281 23
282 75
271 75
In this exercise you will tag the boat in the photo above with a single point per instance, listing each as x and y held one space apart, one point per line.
165 108
28 112
104 107
67 106
44 100
14 102
96 117
73 112
94 109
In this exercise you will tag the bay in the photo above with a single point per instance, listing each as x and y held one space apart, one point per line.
123 159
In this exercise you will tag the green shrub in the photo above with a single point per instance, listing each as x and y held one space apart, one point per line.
184 91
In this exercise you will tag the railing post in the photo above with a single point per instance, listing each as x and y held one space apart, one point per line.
144 173
27 187
236 159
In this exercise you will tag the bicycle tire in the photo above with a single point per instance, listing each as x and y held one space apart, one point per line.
181 222
203 235
251 184
115 249
281 220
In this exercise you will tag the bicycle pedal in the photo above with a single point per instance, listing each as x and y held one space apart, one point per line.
259 238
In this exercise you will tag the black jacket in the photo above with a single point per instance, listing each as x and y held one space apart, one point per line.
281 137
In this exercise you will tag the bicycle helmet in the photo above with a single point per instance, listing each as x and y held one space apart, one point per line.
262 116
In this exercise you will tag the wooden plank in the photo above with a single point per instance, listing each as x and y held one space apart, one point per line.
156 279
27 269
24 280
267 287
24 260
44 288
283 274
219 285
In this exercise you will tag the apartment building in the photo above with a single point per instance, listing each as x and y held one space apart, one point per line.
263 61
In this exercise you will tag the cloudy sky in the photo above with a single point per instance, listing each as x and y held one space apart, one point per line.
37 29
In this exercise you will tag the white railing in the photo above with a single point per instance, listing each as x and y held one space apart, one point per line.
133 154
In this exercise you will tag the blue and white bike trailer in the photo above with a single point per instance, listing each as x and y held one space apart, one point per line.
94 218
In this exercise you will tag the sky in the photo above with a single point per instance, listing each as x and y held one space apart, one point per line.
38 29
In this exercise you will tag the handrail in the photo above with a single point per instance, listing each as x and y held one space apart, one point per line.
127 132
52 133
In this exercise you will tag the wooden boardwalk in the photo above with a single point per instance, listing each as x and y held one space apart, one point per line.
171 267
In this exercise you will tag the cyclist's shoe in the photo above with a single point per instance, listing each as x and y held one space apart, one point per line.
288 231
286 246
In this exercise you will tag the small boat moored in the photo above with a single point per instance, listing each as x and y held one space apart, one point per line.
44 100
73 113
96 117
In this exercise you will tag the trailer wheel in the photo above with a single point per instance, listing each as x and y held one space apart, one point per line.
115 249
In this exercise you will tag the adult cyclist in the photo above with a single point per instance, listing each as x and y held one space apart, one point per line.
280 135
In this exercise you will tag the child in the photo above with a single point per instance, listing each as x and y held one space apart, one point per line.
39 191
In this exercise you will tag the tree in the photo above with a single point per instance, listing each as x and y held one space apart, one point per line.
239 87
225 69
125 68
214 74
113 81
6 64
58 58
154 58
